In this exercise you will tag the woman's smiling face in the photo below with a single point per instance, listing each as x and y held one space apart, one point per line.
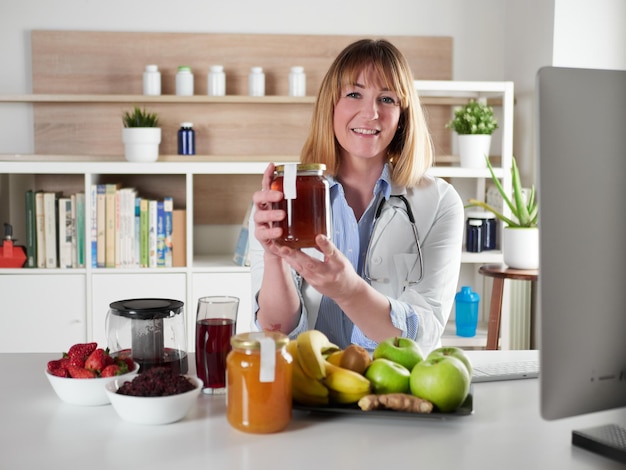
366 117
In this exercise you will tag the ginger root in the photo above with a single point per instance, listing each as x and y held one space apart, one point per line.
395 401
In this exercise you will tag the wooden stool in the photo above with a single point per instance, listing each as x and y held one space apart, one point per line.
499 273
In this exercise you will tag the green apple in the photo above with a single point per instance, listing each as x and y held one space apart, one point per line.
443 380
387 376
403 351
454 352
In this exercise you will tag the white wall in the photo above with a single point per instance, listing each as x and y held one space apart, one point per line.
590 34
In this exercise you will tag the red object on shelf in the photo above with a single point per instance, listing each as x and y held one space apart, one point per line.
11 256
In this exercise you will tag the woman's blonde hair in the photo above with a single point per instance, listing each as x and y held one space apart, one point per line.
410 152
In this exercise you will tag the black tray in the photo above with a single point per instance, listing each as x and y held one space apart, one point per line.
466 409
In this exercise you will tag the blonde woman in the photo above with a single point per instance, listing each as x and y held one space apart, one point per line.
392 264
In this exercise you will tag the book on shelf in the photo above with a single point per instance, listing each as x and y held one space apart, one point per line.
160 234
137 227
152 233
41 230
179 238
110 229
168 208
31 230
144 228
51 220
93 225
65 232
241 256
79 230
100 225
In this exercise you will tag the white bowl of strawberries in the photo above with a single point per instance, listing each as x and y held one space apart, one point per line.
80 375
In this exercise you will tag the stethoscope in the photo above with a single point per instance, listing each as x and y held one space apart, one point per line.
420 259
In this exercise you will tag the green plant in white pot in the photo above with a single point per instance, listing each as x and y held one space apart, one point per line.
521 233
474 123
141 135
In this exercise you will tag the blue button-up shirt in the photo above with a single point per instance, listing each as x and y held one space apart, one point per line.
352 238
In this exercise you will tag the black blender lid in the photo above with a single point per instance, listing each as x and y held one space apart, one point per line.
146 309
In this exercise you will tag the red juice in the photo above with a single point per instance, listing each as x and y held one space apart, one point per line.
212 346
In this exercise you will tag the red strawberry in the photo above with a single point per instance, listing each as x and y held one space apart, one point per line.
79 353
97 360
80 372
125 362
60 372
54 364
110 370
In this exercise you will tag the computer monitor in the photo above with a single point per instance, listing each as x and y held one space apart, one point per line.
581 138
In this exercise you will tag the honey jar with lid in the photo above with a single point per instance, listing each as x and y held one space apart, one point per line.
258 382
306 203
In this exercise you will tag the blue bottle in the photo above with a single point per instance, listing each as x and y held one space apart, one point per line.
186 139
466 312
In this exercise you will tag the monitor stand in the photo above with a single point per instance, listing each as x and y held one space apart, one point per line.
608 440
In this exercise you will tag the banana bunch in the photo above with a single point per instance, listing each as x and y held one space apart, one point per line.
318 382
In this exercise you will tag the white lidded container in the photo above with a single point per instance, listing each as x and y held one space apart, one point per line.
297 81
184 81
152 80
216 81
256 82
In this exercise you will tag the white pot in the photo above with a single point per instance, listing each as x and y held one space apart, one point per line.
521 247
141 144
473 148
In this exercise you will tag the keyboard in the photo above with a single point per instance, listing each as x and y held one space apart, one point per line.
509 370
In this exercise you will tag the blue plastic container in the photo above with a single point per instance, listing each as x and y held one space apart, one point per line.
466 312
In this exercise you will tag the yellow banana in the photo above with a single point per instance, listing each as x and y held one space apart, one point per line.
345 381
305 390
341 398
335 357
312 345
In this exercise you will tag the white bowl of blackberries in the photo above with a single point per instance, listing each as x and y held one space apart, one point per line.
157 396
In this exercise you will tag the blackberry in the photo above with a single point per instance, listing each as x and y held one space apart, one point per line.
156 382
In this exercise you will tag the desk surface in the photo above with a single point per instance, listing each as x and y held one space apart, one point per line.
38 431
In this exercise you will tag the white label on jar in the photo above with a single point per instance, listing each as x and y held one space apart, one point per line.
267 370
289 180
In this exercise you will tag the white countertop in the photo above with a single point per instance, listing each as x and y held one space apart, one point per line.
38 431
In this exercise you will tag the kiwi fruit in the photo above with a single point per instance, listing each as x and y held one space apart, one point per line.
355 358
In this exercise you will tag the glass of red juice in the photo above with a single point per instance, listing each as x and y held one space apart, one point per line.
216 320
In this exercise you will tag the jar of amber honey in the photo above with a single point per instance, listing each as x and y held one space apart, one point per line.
258 382
306 202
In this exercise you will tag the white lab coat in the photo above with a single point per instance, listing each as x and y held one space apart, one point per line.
438 212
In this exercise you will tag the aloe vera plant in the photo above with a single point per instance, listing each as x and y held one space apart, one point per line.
525 210
140 118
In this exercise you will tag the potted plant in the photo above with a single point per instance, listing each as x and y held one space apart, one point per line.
141 135
521 233
474 123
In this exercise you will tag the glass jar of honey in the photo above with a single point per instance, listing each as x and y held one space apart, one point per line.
306 202
258 382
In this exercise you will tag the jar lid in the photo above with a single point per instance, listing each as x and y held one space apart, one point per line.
186 124
256 69
217 68
303 167
252 340
297 69
146 309
152 68
480 215
184 68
